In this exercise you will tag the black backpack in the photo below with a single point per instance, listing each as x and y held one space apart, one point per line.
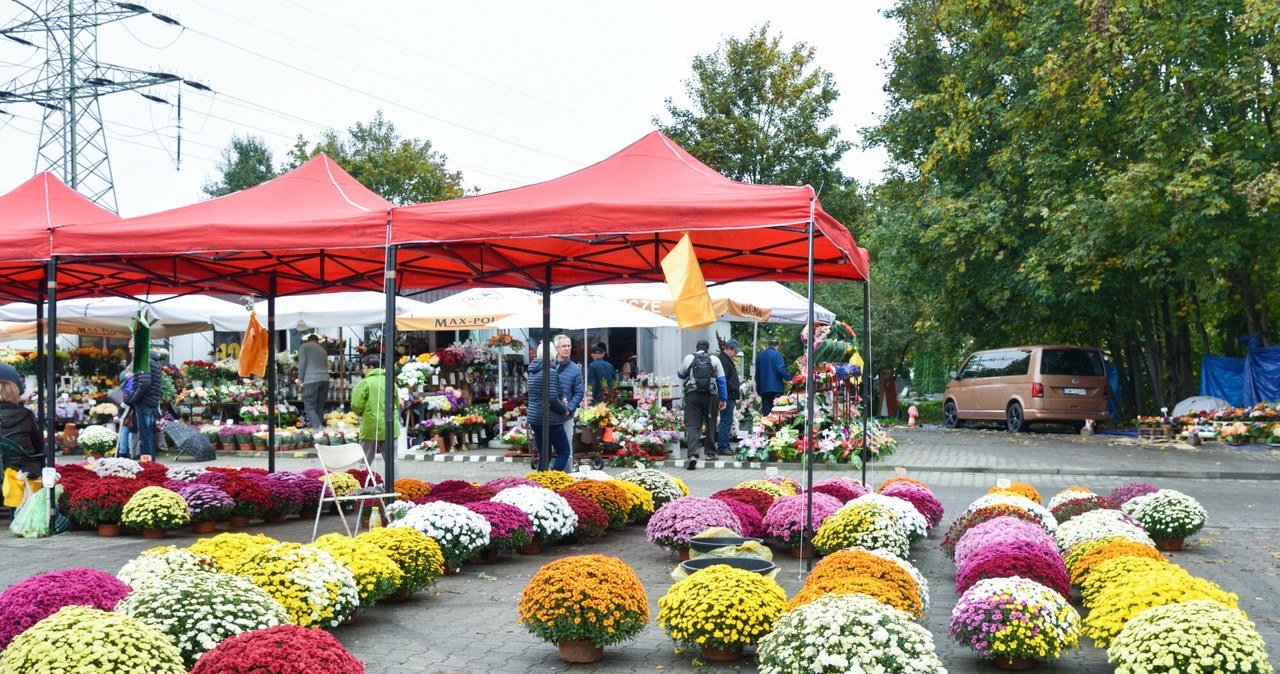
701 373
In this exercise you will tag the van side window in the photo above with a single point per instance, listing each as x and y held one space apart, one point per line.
972 367
1019 363
1005 363
1074 362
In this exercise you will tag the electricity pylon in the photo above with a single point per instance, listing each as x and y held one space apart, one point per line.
68 84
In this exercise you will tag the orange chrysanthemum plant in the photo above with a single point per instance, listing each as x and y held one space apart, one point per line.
863 564
1019 489
584 597
1091 559
607 495
409 488
884 591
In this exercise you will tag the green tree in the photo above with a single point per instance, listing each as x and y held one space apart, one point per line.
245 162
401 170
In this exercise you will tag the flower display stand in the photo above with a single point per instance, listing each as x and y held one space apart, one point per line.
1161 432
1014 662
721 654
580 651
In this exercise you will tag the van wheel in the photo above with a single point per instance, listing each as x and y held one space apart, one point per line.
950 416
1013 418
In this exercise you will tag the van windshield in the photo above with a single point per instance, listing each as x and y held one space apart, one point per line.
1074 362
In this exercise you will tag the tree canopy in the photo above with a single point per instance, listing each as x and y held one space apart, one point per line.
245 162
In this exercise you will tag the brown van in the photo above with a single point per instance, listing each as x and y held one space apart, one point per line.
1025 384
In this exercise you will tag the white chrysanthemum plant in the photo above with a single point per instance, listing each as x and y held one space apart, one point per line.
459 531
1193 636
186 473
1097 524
1047 520
552 516
909 518
1068 495
111 466
660 485
1167 513
96 439
158 565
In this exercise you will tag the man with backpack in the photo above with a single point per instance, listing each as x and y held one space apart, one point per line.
705 391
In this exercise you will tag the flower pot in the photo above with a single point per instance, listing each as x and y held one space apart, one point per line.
486 556
238 521
274 518
533 547
1168 543
155 533
721 654
802 551
205 527
308 513
684 553
1014 662
245 447
580 651
109 529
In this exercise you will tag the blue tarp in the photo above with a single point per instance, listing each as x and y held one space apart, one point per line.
1113 401
1243 382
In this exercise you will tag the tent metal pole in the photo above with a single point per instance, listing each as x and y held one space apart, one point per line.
866 370
755 346
544 447
50 374
391 397
809 440
40 331
272 391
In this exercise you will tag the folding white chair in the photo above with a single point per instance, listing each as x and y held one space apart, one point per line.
337 459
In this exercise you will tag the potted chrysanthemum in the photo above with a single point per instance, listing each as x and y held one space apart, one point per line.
29 601
377 575
847 632
1014 621
721 609
786 517
288 649
511 528
675 523
639 500
206 504
552 517
97 440
158 565
1036 560
659 485
118 643
1168 515
230 549
459 532
199 610
584 603
1190 636
862 524
313 587
608 496
418 555
98 502
155 510
1120 589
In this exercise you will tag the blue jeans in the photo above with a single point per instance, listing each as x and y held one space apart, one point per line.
146 431
559 443
725 426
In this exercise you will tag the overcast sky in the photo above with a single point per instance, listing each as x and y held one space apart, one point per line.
511 92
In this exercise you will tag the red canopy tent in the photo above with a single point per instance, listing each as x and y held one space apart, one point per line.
615 220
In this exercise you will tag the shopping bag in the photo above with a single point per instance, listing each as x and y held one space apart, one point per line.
31 519
15 489
116 395
129 421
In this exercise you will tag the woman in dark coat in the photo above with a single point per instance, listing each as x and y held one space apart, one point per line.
18 424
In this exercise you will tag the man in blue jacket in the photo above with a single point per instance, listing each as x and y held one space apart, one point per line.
572 388
771 376
553 411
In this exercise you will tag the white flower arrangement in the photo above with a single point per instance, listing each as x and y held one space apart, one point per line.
912 522
1199 635
1167 513
416 373
438 403
110 466
657 483
1047 520
552 516
97 438
459 531
186 473
104 409
848 633
200 610
159 565
1097 524
1068 495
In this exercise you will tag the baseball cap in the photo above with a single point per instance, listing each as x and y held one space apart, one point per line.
702 345
599 348
732 344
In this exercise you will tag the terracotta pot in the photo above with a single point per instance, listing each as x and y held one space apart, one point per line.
533 547
580 651
238 521
1168 543
274 518
684 553
1014 662
721 654
109 529
205 527
800 551
308 513
155 533
483 557
450 571
350 619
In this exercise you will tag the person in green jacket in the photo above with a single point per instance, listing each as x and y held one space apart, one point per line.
368 399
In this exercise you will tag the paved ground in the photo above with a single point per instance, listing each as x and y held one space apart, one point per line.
467 622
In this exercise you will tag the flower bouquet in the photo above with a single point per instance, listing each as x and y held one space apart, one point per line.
29 601
155 508
550 514
417 554
786 517
315 589
1030 559
608 496
97 439
87 640
721 607
160 565
1167 514
1190 636
377 575
864 525
510 528
597 417
657 483
517 436
199 610
587 597
675 523
1015 618
842 633
287 649
458 531
1120 589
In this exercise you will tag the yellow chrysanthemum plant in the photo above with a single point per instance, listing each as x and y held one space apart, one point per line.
551 479
377 575
155 508
313 587
639 498
418 555
1118 603
721 607
585 597
86 640
229 548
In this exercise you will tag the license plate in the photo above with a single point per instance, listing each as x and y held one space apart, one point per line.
1073 391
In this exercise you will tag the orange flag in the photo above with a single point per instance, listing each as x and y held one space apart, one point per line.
253 350
688 288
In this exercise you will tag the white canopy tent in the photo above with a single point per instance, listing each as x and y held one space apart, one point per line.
474 309
757 301
111 316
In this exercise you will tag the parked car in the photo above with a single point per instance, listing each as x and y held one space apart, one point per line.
1026 384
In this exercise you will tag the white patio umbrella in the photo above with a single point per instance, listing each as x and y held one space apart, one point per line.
111 316
303 312
474 309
